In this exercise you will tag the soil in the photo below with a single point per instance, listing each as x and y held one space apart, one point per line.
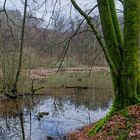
123 125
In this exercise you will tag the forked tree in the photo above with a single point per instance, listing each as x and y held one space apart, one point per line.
121 49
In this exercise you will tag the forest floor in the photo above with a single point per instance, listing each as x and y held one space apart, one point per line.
123 125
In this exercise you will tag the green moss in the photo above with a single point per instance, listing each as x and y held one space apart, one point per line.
124 112
116 23
109 32
128 125
99 125
122 136
111 133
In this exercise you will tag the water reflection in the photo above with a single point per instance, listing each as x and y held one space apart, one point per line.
68 109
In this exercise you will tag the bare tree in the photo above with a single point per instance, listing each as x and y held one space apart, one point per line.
14 89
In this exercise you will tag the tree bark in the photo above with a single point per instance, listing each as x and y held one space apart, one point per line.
126 80
122 50
14 88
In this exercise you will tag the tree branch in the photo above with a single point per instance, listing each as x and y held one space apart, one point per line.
115 22
98 36
70 38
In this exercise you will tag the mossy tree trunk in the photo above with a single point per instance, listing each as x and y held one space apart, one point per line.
126 80
121 51
129 76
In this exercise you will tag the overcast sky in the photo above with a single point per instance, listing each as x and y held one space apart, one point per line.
44 11
64 5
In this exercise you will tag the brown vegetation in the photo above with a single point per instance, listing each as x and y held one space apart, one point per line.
125 124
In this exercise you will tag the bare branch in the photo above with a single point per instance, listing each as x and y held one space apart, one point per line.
94 59
98 36
70 38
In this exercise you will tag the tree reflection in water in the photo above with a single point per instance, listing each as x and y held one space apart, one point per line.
68 109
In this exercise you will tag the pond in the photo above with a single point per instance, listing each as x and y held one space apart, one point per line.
52 115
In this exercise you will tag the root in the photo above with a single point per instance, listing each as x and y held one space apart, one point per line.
99 125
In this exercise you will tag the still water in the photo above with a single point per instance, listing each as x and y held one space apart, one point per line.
66 109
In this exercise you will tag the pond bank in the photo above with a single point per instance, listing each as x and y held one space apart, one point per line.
125 124
53 115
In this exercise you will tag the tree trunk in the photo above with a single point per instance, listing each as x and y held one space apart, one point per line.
128 78
125 89
121 52
14 88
